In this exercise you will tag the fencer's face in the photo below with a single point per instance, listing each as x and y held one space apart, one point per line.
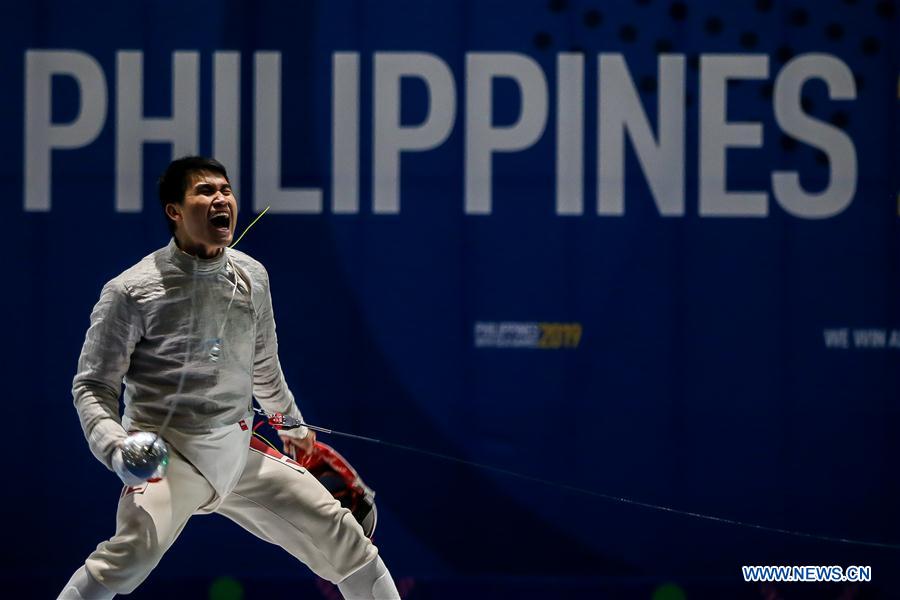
205 221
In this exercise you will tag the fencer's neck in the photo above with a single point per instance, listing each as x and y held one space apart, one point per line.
188 262
198 250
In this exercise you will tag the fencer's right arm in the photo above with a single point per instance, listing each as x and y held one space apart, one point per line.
115 328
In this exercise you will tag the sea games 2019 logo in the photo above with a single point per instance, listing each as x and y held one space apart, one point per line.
518 334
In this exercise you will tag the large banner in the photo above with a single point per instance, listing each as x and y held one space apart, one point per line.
622 253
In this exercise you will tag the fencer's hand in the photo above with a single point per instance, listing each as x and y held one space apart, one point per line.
296 447
127 477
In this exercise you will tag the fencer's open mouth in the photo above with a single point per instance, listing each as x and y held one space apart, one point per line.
220 220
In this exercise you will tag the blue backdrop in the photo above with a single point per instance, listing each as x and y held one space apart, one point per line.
733 365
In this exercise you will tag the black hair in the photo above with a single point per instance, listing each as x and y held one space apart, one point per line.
173 183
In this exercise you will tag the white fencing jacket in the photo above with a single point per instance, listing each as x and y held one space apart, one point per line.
204 326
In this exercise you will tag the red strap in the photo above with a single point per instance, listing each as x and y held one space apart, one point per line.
258 444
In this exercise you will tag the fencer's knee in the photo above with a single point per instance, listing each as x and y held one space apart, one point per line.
147 555
122 564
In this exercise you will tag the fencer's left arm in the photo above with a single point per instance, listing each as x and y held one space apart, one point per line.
269 386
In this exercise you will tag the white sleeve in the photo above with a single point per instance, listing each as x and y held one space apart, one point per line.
114 330
269 386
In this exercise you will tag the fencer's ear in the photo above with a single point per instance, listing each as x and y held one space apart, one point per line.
173 211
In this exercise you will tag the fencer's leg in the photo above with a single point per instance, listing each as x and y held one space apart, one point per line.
372 582
82 586
148 520
282 503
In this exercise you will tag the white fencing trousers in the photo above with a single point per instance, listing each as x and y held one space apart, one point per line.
84 587
275 499
372 582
